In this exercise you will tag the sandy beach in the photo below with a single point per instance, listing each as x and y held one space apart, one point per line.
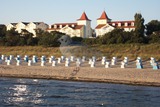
115 74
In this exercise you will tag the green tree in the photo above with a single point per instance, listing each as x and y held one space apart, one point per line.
12 38
139 24
139 28
152 26
113 37
154 37
2 30
22 41
40 32
89 41
77 39
2 34
49 39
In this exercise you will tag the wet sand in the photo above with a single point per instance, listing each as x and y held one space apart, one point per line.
115 74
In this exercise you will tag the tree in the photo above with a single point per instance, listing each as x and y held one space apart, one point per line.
40 32
152 26
12 38
139 24
2 34
113 37
2 30
77 39
89 41
139 28
49 39
154 37
22 42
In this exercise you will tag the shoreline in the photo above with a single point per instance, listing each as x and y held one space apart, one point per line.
93 80
129 76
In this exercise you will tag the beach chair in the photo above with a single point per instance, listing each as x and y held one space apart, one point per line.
155 66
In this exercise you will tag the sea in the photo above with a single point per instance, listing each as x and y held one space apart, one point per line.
19 92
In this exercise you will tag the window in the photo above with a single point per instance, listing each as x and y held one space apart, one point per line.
113 24
126 24
132 24
55 26
122 24
60 26
129 24
119 24
72 25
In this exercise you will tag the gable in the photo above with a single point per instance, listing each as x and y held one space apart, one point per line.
107 27
20 25
67 28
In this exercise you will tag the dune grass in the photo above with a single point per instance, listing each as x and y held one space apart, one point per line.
30 50
131 50
119 50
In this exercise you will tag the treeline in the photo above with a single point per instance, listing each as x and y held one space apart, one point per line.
149 33
119 36
25 38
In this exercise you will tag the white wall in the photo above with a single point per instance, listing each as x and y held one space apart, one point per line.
29 27
87 28
129 29
9 26
104 30
99 22
20 26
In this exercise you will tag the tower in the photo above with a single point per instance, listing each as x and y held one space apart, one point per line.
104 19
87 31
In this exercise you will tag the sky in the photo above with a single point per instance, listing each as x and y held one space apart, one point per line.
68 11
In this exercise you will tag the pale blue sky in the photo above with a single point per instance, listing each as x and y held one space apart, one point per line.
55 11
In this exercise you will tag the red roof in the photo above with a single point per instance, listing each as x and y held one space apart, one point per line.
100 26
79 26
104 16
84 17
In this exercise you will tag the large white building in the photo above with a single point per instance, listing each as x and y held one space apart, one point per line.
82 28
105 25
29 26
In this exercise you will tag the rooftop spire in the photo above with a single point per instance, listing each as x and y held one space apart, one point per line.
104 16
84 17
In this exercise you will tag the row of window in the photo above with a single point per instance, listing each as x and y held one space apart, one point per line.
123 24
60 26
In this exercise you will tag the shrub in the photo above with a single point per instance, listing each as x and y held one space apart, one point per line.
77 39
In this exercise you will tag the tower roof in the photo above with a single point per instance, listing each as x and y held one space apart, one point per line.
84 17
104 16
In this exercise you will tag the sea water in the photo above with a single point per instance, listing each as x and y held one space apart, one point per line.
18 92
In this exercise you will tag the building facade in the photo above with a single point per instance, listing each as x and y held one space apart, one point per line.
105 25
29 26
82 28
